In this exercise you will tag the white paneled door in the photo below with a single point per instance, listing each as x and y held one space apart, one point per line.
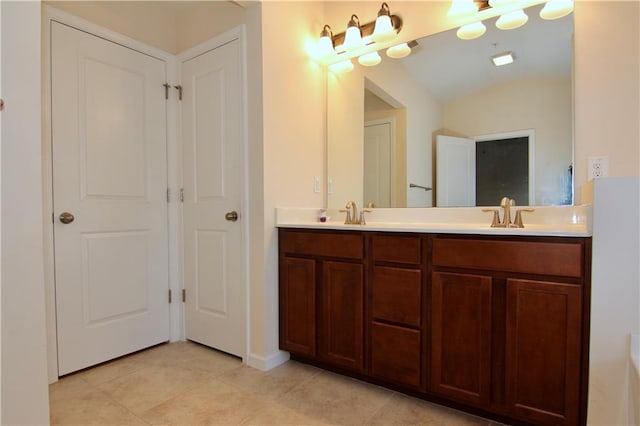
455 171
109 204
212 138
377 163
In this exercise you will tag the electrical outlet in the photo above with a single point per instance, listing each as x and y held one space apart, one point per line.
598 167
316 184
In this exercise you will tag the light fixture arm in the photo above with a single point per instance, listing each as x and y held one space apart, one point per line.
354 21
384 10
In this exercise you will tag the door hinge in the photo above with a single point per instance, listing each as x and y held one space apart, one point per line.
166 90
169 296
179 89
168 195
184 295
182 195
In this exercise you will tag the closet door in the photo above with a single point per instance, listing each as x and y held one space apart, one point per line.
214 253
110 210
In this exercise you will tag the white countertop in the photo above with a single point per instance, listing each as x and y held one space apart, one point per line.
565 221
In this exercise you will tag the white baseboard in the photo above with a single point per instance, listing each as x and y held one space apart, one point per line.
269 362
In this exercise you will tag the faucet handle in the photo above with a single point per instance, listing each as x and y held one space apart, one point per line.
347 220
495 221
517 222
362 212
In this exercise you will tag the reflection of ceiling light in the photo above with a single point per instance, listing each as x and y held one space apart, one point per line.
555 9
471 31
344 66
512 20
370 59
502 59
398 51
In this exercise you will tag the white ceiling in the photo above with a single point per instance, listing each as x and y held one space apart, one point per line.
450 67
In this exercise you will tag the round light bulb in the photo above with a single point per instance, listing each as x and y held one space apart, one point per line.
462 9
512 20
555 9
353 35
325 47
471 31
383 30
399 51
370 59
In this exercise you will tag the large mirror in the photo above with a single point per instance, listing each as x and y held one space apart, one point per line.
446 127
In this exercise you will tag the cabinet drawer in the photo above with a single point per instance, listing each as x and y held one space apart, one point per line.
395 354
325 244
396 295
548 258
399 249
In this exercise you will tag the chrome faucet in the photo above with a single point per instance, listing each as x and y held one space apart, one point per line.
506 204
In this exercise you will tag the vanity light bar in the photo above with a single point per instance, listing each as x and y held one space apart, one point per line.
365 38
512 15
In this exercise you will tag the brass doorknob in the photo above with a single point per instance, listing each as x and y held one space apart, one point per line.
66 218
231 216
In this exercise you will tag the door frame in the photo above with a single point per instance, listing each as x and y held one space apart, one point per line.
531 135
174 209
238 33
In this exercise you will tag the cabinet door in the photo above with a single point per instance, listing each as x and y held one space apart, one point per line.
543 351
298 305
341 314
461 339
395 354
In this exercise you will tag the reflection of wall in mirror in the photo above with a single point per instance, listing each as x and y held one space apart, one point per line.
381 111
345 132
543 105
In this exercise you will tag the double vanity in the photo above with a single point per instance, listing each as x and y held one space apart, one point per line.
438 304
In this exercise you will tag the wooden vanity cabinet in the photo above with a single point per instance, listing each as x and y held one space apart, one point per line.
495 325
322 296
508 325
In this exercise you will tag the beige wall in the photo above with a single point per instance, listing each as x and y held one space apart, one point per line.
154 25
204 19
172 26
543 105
24 367
292 149
607 86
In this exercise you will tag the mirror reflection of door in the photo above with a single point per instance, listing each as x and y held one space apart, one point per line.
378 137
480 171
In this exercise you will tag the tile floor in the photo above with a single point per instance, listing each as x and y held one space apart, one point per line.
188 384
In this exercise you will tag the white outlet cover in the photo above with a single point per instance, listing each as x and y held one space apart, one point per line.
598 167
